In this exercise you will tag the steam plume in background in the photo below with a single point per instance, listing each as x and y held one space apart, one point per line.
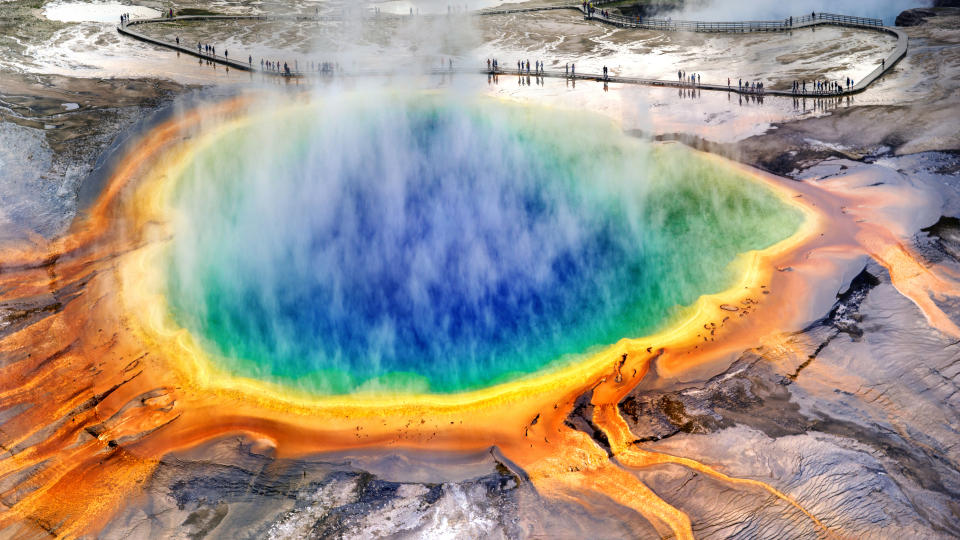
738 10
360 39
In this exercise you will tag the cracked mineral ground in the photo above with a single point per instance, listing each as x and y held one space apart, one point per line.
398 293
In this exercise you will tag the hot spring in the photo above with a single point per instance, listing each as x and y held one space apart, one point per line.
432 244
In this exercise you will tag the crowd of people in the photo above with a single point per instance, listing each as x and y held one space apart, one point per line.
523 67
822 87
751 87
590 10
691 80
277 66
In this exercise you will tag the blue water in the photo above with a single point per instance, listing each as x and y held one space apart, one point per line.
428 247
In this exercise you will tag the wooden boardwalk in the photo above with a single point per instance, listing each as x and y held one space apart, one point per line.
820 19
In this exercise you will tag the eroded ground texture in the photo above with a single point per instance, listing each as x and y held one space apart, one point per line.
854 414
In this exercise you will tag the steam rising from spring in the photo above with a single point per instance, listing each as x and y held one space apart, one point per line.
424 242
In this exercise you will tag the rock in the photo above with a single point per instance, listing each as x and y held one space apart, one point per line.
855 440
914 17
228 488
946 3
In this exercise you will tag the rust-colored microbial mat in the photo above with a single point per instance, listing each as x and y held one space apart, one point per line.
104 374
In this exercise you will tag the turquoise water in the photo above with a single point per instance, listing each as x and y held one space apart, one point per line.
415 244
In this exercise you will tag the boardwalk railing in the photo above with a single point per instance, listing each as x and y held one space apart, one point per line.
790 23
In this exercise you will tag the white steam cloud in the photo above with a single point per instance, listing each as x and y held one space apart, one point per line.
738 10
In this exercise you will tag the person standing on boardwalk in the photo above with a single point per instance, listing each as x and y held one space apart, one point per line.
573 70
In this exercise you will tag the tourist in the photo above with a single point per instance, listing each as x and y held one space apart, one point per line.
226 53
250 60
698 79
566 69
604 72
178 41
573 70
679 76
488 65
